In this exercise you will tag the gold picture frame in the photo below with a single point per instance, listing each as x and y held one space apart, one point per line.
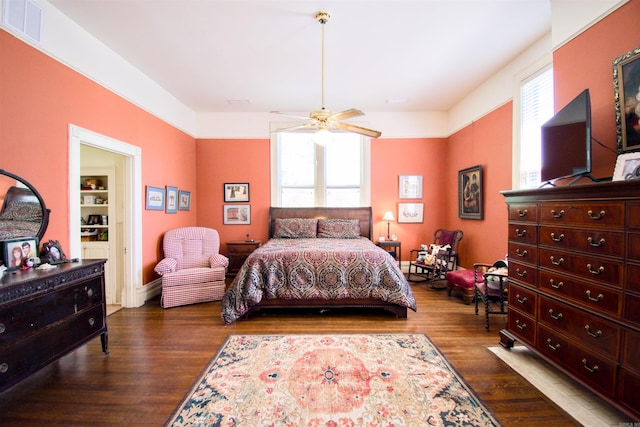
626 87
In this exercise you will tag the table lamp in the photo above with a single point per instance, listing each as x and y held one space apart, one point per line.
388 216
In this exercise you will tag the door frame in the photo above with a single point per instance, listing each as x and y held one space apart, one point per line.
132 194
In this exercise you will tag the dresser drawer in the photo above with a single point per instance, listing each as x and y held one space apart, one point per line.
600 242
523 299
633 277
585 214
24 317
523 212
242 248
523 233
628 389
631 350
523 253
589 330
523 273
633 246
521 325
597 371
632 309
633 215
591 296
589 267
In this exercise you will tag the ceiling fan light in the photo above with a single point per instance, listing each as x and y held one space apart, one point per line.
322 136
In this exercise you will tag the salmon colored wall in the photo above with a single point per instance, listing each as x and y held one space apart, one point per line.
227 161
40 97
586 62
486 142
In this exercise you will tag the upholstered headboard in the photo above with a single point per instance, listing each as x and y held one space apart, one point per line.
364 215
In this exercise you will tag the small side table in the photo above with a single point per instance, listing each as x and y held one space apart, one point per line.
238 251
394 247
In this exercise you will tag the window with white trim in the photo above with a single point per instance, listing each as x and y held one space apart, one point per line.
305 173
536 107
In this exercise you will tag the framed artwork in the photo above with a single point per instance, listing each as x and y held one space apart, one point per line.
470 193
626 88
52 252
154 199
627 167
237 214
184 200
16 251
171 206
410 187
410 212
94 220
236 192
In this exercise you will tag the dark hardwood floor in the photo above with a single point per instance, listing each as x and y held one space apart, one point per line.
155 355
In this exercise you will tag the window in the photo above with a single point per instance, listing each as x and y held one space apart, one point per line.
305 173
536 107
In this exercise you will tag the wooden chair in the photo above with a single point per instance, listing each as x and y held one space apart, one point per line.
491 289
444 257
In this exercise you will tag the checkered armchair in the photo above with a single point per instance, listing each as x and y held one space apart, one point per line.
192 271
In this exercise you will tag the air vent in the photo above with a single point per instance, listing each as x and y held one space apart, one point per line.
24 16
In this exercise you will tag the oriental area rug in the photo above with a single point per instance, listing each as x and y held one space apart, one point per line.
330 380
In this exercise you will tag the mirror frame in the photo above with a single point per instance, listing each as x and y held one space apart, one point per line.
45 211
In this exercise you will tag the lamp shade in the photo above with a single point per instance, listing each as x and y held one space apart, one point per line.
388 216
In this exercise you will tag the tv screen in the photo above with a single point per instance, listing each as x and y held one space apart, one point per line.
566 141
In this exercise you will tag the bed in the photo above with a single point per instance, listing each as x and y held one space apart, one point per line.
21 214
329 263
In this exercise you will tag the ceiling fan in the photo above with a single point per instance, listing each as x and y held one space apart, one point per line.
324 120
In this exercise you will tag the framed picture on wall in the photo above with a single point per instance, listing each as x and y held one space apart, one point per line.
171 206
184 200
410 187
410 212
154 199
470 193
237 214
626 87
236 192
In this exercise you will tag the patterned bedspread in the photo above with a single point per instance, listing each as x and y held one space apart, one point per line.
316 268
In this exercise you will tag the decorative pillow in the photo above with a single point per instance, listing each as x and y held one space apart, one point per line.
23 211
295 228
339 228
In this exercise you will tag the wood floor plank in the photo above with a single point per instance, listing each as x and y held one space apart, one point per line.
156 355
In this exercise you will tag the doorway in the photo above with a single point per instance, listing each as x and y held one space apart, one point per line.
128 258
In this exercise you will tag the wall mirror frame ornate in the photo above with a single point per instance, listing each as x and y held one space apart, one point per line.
17 196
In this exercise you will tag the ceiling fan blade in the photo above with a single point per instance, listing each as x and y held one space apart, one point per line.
293 116
346 114
358 129
296 127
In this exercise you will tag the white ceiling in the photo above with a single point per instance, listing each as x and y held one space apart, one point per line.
210 52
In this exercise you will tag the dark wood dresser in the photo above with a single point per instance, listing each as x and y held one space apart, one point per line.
574 291
45 314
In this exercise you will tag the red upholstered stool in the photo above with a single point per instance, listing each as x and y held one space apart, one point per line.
460 282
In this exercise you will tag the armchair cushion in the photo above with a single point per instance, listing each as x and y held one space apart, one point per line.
166 265
218 260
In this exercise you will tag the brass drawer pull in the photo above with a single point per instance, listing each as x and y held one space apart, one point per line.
521 274
2 328
596 299
521 300
595 334
557 215
555 285
554 262
521 233
557 239
4 367
595 245
521 254
592 369
520 326
596 217
555 316
600 270
551 346
522 213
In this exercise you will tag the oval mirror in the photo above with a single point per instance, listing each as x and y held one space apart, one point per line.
23 212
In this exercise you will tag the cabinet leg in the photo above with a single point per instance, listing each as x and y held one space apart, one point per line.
507 340
104 340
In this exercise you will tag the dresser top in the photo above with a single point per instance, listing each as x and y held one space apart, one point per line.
600 190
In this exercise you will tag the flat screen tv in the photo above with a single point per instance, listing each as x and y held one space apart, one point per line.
566 142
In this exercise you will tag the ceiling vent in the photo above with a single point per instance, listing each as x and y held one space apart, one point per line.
24 16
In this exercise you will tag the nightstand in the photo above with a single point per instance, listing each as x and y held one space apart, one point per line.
394 247
238 251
